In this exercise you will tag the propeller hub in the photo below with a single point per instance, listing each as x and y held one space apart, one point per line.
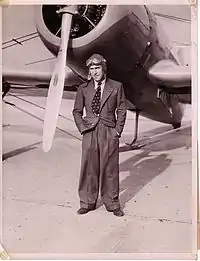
68 9
84 18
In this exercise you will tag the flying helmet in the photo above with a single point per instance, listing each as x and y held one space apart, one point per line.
96 59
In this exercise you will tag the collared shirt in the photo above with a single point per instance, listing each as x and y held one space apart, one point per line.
102 85
102 88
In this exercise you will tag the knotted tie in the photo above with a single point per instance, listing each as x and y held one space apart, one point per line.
96 102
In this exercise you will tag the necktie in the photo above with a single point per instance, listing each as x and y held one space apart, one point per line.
96 102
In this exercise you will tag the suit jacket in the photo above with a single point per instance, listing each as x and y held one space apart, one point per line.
113 104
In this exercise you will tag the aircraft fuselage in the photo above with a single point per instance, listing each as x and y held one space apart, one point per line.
128 37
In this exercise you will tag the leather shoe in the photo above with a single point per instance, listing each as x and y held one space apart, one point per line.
83 211
118 212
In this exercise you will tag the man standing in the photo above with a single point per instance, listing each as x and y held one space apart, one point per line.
103 100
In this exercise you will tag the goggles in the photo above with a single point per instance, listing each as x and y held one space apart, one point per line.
95 61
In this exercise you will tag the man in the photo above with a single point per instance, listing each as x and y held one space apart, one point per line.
102 99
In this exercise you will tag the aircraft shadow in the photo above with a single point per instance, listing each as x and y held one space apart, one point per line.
40 92
144 167
141 173
16 152
178 139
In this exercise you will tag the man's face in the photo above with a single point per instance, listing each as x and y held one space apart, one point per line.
96 72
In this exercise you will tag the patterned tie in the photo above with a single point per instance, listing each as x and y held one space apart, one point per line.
96 102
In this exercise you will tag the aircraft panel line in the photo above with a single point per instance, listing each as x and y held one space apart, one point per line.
140 21
21 37
172 17
39 61
11 45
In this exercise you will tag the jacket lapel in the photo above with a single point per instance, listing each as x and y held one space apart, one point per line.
108 88
91 90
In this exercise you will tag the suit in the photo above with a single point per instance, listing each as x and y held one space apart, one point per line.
100 145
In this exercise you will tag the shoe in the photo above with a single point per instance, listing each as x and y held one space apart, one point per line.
83 211
118 212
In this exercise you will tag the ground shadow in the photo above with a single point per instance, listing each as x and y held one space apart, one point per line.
178 139
41 92
147 133
142 168
16 152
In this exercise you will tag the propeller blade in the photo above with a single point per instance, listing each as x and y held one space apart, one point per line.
56 85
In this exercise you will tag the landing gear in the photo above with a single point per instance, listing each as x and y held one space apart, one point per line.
134 144
5 87
176 125
171 101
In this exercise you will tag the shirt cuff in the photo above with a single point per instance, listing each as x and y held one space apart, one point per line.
118 134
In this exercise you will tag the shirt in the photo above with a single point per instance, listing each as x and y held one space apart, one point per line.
102 85
102 88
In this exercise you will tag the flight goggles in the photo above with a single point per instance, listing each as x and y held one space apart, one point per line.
95 61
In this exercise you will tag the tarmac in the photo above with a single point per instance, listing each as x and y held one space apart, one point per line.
40 196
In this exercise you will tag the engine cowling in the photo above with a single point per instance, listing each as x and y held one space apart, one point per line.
48 24
106 29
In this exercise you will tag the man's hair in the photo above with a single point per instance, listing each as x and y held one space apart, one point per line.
96 59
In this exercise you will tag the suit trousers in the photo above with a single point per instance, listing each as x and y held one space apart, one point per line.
100 168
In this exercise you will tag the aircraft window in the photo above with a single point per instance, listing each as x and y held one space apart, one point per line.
88 18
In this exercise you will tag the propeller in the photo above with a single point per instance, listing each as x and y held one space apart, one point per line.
56 86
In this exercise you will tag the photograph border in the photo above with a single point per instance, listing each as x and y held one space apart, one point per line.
195 139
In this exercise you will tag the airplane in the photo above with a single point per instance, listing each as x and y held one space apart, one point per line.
156 79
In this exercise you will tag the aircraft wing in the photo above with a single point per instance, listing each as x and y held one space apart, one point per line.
33 78
168 73
174 73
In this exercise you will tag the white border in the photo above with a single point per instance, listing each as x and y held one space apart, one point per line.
195 108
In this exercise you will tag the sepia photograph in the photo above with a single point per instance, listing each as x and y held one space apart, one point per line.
99 122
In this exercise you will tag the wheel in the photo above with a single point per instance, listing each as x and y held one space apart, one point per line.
176 125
